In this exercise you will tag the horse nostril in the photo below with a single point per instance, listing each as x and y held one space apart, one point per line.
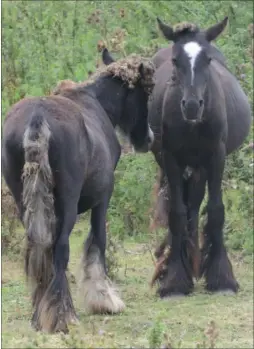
183 103
201 102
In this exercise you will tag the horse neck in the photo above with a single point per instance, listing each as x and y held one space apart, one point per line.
111 95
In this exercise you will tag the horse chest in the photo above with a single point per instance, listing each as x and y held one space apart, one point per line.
192 147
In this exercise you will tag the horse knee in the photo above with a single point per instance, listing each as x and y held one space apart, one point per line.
177 219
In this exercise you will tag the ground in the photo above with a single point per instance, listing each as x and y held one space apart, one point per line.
177 322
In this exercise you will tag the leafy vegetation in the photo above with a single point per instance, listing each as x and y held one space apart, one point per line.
47 41
44 42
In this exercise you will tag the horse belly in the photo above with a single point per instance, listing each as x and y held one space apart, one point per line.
99 178
239 123
238 110
94 190
191 160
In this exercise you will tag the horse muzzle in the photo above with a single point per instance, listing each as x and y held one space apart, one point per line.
192 110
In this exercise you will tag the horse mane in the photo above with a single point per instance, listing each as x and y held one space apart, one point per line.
127 69
185 28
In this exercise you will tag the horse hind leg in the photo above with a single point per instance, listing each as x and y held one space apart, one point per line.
97 291
56 310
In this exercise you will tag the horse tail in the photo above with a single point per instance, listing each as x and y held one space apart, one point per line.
38 202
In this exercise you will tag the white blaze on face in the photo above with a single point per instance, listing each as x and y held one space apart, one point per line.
192 49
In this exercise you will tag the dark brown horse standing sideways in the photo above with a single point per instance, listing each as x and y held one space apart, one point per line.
199 114
59 154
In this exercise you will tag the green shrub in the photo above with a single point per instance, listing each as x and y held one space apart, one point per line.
129 207
238 202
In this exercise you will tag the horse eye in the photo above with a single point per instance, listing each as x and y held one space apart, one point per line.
209 59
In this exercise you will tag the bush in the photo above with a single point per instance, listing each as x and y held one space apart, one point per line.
129 206
238 200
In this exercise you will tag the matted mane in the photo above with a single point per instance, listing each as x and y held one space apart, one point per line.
127 69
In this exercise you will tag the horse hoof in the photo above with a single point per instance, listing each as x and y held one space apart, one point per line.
73 321
219 275
34 325
61 328
175 282
34 321
171 296
174 291
225 292
226 287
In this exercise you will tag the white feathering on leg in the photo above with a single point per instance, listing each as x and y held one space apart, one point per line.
97 290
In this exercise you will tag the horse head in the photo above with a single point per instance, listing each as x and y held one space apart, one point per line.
136 104
191 57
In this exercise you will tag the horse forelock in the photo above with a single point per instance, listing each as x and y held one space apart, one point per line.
127 69
185 28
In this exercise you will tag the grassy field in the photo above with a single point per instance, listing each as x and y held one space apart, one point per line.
147 320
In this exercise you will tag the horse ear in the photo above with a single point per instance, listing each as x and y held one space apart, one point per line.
166 30
106 57
214 31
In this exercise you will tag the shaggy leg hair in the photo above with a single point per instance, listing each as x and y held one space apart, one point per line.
217 268
56 311
98 292
38 268
215 264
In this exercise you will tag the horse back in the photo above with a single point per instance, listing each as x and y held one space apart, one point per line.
62 115
65 122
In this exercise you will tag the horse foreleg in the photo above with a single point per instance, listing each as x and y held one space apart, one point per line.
97 290
177 279
216 266
195 195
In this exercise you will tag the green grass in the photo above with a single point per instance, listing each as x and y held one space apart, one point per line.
182 320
